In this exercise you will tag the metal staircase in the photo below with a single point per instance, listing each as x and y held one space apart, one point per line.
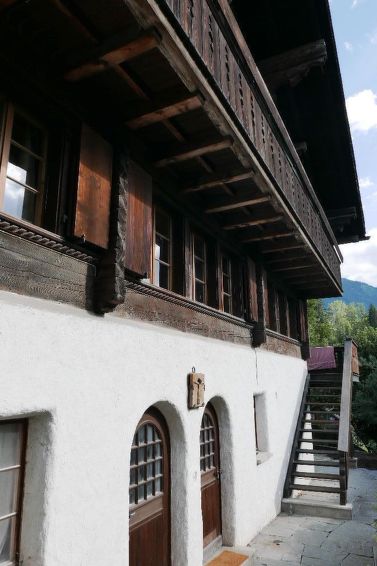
321 446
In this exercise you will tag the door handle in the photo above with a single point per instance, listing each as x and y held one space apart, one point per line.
218 473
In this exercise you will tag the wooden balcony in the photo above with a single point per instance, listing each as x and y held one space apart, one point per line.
211 36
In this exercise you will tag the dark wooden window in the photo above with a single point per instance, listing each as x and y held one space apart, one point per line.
147 462
283 322
162 248
272 310
207 444
226 284
293 326
12 463
22 165
199 269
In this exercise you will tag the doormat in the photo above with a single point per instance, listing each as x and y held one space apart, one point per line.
227 558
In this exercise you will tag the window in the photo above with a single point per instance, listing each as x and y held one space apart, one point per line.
12 460
162 261
226 271
199 269
23 164
272 310
260 427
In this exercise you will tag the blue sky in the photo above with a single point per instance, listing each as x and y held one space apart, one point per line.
355 26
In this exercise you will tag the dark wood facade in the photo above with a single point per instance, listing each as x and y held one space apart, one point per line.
170 187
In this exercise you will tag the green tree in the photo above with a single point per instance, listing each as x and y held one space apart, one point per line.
320 330
364 409
372 316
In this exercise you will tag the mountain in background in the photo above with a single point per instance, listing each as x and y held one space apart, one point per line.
356 292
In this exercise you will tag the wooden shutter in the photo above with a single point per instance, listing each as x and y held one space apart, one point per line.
252 292
92 217
139 222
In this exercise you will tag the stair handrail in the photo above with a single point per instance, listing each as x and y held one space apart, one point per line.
346 399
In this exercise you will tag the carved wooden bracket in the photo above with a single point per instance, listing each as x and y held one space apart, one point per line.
109 289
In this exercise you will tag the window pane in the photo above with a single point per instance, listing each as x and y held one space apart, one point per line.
10 444
225 265
27 134
23 167
226 285
162 223
150 431
227 305
199 292
149 488
199 247
132 496
199 270
18 201
162 249
5 540
8 487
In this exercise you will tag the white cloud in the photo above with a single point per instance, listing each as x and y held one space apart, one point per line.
362 110
360 260
348 45
365 183
355 3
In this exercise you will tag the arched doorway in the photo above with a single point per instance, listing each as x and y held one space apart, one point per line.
149 494
210 475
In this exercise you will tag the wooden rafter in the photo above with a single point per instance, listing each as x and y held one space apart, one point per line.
282 248
262 237
104 60
238 204
252 221
164 112
213 181
188 151
280 259
295 267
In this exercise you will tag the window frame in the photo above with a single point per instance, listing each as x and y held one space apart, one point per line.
204 281
159 209
229 275
7 122
18 491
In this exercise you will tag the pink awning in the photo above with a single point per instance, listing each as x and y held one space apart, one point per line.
322 358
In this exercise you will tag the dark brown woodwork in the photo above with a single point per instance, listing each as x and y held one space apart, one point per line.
252 290
103 60
303 329
210 475
282 248
252 201
94 189
293 65
192 150
255 220
161 113
139 222
150 518
109 288
268 235
238 299
259 333
215 180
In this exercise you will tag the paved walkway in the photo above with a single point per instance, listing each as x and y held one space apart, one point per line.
313 541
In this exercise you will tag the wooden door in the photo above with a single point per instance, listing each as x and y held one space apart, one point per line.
210 476
149 495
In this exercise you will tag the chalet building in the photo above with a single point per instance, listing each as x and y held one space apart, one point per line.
175 179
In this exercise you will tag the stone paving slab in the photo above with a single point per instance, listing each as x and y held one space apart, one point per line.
314 541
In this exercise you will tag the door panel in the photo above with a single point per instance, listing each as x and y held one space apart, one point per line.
210 476
150 493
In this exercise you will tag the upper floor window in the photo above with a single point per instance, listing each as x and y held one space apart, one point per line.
162 261
22 167
226 290
199 251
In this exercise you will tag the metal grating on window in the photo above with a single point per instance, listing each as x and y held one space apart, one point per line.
146 470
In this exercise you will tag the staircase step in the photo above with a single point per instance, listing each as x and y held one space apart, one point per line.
302 506
319 440
321 430
315 404
316 451
332 387
318 488
322 421
319 412
316 475
333 464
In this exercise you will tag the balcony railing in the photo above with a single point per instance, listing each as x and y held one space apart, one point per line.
210 27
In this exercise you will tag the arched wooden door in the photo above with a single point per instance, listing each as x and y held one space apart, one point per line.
149 495
210 475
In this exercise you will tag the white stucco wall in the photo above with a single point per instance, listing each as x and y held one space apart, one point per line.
85 381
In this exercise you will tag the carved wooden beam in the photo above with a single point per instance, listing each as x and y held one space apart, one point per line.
238 204
255 220
213 181
161 113
292 66
188 151
104 59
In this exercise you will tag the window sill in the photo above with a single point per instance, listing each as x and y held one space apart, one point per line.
147 288
275 334
262 457
42 237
